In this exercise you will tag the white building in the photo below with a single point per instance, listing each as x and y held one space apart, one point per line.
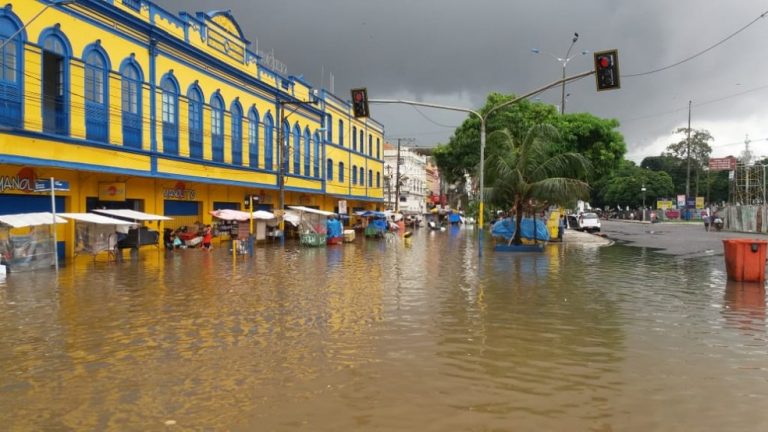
413 179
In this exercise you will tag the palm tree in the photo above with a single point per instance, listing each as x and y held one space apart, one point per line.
528 173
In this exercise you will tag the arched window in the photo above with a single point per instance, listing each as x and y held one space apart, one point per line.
378 148
307 148
370 145
362 176
11 69
285 155
253 138
329 125
341 172
329 167
370 178
341 132
317 154
170 110
378 179
237 133
269 132
130 90
196 98
354 138
362 141
96 113
217 128
354 174
296 149
55 80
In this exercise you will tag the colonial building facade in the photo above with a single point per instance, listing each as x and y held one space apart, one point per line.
139 108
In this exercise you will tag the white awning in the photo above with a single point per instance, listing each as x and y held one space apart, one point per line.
237 215
311 210
22 220
132 215
94 218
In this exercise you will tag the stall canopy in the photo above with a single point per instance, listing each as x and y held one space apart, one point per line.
311 210
23 220
241 216
94 219
132 215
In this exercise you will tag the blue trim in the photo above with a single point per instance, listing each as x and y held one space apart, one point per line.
253 137
133 123
228 14
269 141
217 140
195 124
12 95
153 101
170 130
97 114
236 117
62 117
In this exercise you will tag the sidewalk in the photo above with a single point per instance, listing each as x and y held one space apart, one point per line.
573 236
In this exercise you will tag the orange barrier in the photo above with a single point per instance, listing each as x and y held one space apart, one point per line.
745 259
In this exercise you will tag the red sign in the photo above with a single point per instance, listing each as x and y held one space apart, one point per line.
722 164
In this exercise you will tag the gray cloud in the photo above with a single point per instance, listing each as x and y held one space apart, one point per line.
455 52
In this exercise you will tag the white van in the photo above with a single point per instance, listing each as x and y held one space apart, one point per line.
588 222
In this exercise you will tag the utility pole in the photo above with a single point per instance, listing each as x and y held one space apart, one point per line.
397 178
688 145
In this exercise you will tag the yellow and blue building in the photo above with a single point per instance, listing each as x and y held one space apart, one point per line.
139 108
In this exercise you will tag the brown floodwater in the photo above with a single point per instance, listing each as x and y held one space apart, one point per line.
372 336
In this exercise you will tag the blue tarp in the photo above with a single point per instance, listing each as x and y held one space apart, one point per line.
506 228
454 218
380 225
334 228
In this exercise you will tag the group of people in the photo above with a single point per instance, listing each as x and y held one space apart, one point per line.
173 239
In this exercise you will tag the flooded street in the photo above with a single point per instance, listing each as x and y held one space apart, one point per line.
386 337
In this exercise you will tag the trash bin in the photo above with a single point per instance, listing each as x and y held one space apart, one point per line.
745 259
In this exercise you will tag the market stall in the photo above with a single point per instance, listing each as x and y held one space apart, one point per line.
239 222
134 238
312 223
95 233
26 241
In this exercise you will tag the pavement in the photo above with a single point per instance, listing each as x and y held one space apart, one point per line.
674 238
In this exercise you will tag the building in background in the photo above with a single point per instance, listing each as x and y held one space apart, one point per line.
142 109
413 180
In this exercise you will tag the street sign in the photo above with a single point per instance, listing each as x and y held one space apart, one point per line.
722 164
44 185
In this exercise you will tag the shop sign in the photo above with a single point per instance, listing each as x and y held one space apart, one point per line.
23 181
179 192
699 202
111 191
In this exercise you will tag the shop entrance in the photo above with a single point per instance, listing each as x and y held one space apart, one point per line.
184 213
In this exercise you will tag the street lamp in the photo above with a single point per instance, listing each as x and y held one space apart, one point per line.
52 3
564 62
642 189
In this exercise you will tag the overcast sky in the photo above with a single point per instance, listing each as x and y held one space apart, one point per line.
456 52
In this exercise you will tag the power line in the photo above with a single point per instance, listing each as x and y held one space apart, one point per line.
687 59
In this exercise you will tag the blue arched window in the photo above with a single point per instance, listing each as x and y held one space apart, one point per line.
285 155
296 149
329 125
131 104
269 132
354 174
253 138
55 80
307 148
170 111
217 128
329 167
237 133
196 98
378 148
96 95
362 176
370 145
370 178
341 132
341 172
316 140
362 141
11 70
354 138
378 179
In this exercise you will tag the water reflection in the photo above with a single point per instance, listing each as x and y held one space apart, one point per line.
377 336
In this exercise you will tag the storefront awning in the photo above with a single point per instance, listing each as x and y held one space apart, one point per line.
132 215
241 216
311 210
23 220
94 219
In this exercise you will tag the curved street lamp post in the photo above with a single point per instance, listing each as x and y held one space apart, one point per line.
564 62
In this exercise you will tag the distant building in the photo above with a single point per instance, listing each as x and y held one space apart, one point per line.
413 180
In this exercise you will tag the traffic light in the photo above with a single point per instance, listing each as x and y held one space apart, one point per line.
607 70
360 102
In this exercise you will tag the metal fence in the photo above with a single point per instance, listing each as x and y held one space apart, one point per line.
745 218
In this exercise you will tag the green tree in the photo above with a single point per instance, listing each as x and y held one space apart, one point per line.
624 188
697 149
528 172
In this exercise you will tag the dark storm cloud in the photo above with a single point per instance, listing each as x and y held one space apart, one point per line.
455 52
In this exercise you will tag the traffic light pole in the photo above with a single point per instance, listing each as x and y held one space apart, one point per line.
483 118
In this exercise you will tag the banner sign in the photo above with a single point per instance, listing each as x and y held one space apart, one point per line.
699 202
111 191
722 164
681 200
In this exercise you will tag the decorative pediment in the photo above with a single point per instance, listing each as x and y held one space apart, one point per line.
227 22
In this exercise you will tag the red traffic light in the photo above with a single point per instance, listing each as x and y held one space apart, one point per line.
607 70
604 61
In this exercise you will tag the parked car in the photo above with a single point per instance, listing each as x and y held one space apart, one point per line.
588 222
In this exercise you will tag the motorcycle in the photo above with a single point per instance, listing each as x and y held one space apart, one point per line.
717 223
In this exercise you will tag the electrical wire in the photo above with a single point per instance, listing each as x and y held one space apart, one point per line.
687 59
